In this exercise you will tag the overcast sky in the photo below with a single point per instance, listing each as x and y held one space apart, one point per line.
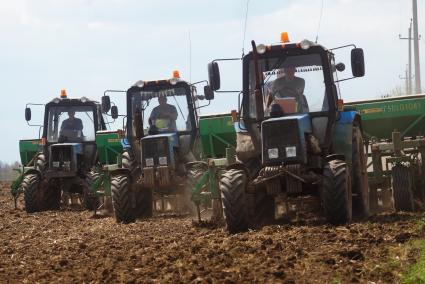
88 46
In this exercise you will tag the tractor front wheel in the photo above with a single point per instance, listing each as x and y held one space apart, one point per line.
122 199
30 185
234 199
336 193
90 200
144 201
402 188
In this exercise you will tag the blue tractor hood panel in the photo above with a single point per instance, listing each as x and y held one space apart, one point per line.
304 121
284 139
159 146
77 147
173 138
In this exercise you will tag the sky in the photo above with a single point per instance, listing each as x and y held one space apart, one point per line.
88 46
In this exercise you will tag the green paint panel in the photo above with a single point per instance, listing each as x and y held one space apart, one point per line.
28 149
217 133
109 146
381 117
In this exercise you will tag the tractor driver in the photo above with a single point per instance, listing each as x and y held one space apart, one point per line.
288 85
72 123
164 116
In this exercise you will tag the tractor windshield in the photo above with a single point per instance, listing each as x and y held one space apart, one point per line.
163 110
292 84
70 124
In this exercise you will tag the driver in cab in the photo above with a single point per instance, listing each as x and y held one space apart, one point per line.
163 117
287 90
72 123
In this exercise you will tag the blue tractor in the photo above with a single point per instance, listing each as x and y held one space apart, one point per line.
297 150
160 142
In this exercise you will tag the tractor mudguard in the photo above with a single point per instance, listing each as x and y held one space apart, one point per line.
121 171
342 137
239 166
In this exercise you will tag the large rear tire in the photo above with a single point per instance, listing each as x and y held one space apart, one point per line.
336 193
234 200
90 200
360 179
30 185
122 199
402 188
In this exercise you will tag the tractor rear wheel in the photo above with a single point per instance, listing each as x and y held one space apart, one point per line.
402 188
90 200
122 199
234 199
144 201
30 185
336 193
359 178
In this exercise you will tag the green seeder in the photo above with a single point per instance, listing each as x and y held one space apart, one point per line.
394 131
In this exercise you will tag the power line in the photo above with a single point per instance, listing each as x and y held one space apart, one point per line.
244 29
320 20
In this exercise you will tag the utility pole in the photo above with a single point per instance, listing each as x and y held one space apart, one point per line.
409 66
407 78
418 88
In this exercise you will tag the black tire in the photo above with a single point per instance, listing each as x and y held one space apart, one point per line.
264 207
122 199
192 177
402 188
144 201
336 193
51 197
234 200
40 162
129 162
30 186
360 183
90 200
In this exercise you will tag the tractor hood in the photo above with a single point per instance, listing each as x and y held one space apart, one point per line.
158 150
284 139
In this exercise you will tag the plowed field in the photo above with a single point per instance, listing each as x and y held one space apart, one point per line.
70 246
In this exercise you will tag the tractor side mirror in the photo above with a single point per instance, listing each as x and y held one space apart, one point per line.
214 75
357 62
106 104
208 92
114 112
27 114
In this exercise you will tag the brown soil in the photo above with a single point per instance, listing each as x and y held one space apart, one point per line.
73 247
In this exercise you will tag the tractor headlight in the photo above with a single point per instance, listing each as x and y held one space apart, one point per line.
55 164
261 48
149 162
291 151
305 44
273 153
163 161
67 165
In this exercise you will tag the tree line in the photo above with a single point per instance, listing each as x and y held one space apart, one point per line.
7 171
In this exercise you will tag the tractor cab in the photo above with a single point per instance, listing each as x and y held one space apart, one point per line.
68 138
162 119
